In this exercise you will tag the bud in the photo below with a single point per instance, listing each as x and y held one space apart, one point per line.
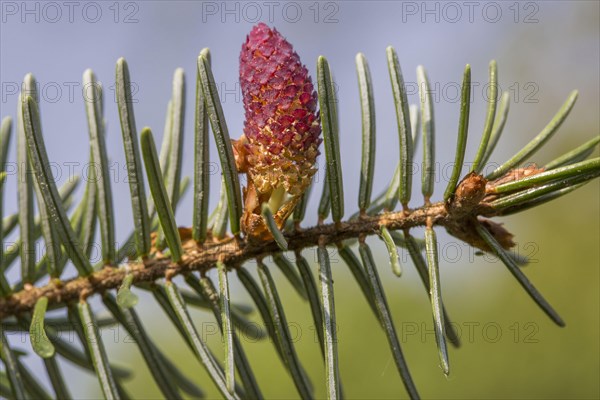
282 132
463 207
468 194
511 176
515 175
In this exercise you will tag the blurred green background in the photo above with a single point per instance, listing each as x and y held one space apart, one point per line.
510 348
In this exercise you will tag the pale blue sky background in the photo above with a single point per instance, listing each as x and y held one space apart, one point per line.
550 50
543 49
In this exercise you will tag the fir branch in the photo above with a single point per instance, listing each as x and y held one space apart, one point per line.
231 251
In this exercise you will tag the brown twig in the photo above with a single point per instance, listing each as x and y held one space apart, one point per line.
204 257
458 217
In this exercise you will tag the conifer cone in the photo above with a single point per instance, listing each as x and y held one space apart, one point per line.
282 132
